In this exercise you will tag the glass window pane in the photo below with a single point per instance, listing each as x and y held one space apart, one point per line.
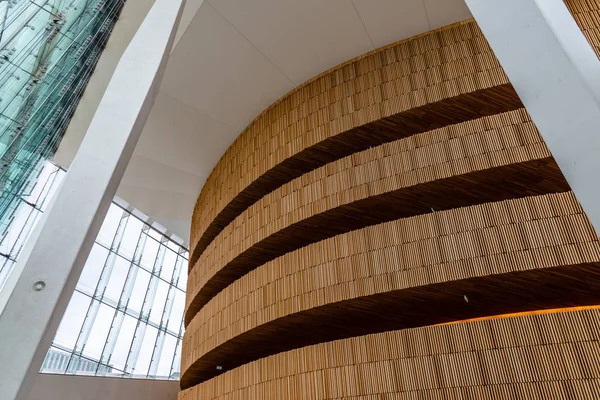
166 357
155 234
70 325
123 344
173 246
93 341
138 293
93 269
79 365
146 350
130 239
177 312
50 189
97 338
18 229
168 265
110 225
117 279
43 183
114 373
108 370
158 304
183 276
176 368
6 267
149 255
56 361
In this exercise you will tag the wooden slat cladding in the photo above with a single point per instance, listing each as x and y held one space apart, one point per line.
420 119
446 239
545 356
587 16
401 190
419 84
447 76
351 278
258 154
488 159
529 290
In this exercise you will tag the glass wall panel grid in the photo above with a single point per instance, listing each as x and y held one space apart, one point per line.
126 316
48 51
27 210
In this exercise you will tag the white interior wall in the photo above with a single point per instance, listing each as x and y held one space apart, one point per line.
70 387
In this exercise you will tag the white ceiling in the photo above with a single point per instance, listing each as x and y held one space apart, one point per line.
232 60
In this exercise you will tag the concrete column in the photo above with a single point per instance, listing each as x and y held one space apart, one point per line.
557 75
50 267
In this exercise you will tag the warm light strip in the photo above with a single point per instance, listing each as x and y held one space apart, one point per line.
523 314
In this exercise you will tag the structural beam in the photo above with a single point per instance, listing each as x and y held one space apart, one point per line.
557 75
50 266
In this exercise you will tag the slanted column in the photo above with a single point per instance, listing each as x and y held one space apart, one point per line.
557 75
49 268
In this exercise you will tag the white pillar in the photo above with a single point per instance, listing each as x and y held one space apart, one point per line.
50 267
557 75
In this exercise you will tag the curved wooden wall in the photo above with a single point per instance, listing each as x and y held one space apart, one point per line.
529 357
542 237
402 190
446 168
444 77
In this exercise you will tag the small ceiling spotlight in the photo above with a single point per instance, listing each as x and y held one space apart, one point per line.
466 298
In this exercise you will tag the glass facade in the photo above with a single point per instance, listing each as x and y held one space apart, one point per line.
125 318
27 210
48 51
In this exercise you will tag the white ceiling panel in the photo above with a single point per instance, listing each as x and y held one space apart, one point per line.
176 226
217 71
388 20
183 137
446 12
189 12
302 38
151 174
